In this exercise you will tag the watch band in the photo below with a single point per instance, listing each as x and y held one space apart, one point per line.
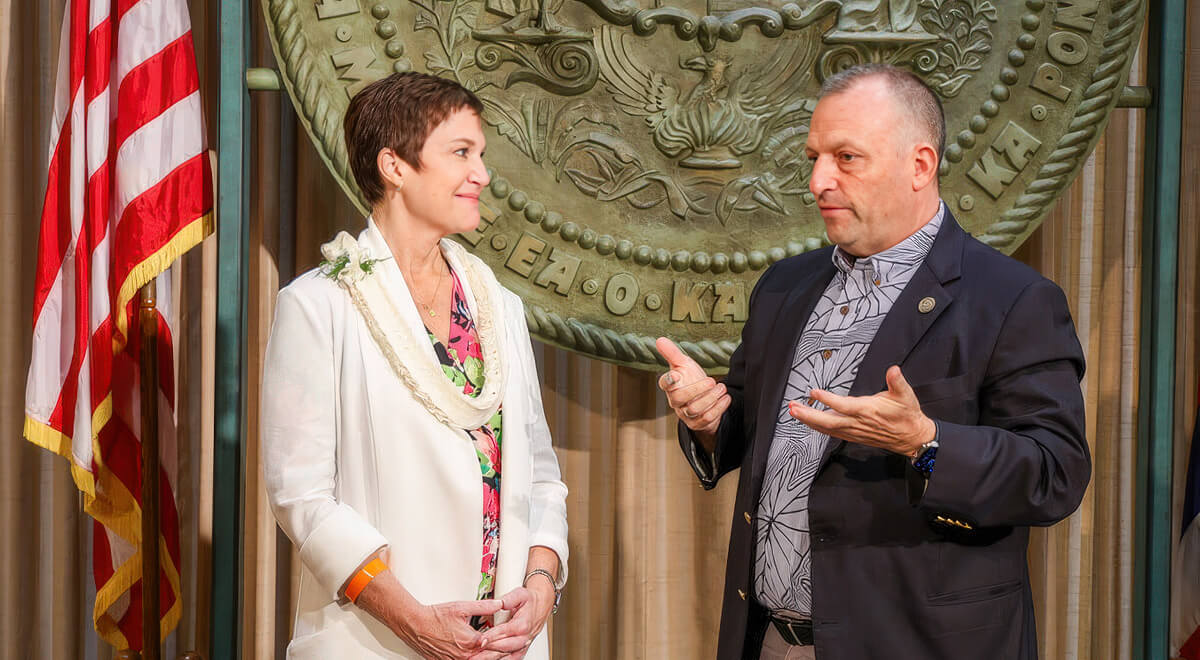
926 455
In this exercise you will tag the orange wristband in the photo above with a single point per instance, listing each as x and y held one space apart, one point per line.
364 577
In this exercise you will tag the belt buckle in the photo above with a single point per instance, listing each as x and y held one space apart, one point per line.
794 632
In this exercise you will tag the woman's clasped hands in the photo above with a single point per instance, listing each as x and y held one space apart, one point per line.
529 608
443 631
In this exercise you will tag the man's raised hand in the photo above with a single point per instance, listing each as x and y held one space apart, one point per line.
891 419
698 400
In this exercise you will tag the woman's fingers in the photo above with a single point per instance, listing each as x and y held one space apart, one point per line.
470 608
514 599
506 644
520 626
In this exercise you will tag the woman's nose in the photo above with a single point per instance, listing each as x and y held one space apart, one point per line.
479 173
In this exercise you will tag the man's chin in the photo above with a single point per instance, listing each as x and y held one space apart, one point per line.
837 229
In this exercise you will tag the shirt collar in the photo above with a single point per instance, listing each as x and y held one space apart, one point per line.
909 252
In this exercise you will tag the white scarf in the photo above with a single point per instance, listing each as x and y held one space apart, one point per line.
389 311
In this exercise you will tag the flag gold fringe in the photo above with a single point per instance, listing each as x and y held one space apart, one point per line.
185 239
115 507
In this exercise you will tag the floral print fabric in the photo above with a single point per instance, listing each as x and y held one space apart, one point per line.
462 362
828 353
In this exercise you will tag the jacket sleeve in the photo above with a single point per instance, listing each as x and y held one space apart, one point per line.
1027 461
299 436
548 496
732 438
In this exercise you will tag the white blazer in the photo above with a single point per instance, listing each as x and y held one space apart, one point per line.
353 463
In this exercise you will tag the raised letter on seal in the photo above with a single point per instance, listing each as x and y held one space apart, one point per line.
357 62
560 274
334 8
685 301
1017 146
731 303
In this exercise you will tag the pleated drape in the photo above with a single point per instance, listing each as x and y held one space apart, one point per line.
648 545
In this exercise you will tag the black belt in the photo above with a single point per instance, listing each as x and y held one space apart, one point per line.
796 632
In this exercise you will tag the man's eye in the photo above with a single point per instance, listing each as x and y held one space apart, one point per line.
846 158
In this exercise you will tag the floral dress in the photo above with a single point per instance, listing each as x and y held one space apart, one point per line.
462 362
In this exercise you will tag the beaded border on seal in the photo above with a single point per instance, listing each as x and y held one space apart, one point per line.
1091 115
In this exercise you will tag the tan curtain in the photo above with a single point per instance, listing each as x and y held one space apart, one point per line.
1090 244
648 545
39 506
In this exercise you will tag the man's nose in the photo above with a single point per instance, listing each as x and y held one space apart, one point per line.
823 176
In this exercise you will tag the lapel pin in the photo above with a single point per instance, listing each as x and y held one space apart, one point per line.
926 305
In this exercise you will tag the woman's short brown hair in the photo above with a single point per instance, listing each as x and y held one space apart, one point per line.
398 112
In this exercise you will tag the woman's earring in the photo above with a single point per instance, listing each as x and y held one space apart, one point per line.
399 186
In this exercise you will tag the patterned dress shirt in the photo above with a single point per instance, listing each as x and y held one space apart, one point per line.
831 347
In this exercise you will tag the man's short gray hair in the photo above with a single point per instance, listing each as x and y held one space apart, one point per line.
910 92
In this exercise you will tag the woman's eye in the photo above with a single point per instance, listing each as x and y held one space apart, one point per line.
461 152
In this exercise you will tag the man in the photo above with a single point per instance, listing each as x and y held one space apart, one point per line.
904 406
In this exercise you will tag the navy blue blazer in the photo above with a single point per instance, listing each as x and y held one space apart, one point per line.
901 567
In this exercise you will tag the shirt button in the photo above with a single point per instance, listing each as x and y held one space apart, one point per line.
826 354
845 310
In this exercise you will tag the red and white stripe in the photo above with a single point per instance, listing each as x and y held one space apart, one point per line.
128 190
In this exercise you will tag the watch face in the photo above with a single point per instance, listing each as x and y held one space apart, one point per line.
924 461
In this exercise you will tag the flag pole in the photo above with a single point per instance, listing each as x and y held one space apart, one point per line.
148 360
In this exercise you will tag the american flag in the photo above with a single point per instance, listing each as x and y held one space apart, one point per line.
128 190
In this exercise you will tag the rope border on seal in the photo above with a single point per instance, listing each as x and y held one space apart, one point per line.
1083 132
638 350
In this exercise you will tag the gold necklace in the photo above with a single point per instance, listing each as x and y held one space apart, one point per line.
428 308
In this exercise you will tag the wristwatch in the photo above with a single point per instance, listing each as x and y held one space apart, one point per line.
557 591
925 457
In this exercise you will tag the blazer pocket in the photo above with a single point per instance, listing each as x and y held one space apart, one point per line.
976 594
955 386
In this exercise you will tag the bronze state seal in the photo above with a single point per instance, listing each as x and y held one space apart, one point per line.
648 159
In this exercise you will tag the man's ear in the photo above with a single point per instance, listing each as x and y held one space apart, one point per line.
925 165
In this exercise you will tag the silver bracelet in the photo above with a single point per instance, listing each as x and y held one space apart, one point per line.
553 584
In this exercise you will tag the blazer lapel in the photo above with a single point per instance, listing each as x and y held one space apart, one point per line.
797 306
900 331
905 323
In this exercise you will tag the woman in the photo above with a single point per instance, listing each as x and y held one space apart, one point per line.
402 418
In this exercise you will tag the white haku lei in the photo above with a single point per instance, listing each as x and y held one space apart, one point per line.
410 361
